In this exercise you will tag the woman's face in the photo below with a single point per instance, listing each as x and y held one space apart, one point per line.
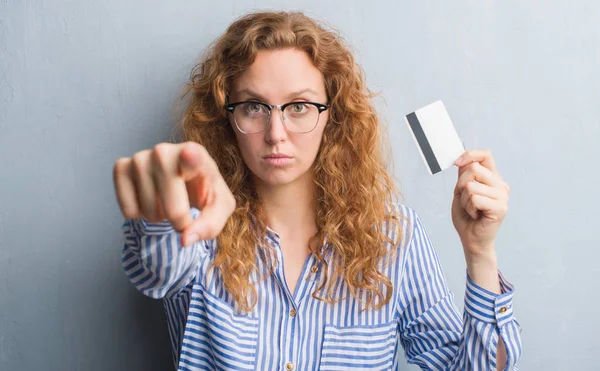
277 77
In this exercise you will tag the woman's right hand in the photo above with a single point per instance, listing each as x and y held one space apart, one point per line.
162 183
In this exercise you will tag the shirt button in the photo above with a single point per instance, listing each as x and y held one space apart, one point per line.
314 269
293 312
503 309
289 366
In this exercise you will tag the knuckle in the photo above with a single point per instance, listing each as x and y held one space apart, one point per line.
138 162
121 168
121 165
190 144
160 155
163 146
472 198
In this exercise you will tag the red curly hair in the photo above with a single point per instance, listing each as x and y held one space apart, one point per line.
353 189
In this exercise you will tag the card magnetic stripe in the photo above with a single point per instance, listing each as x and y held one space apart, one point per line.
417 129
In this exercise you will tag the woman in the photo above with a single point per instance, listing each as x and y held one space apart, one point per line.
274 233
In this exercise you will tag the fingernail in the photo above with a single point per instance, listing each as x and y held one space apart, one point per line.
459 161
190 239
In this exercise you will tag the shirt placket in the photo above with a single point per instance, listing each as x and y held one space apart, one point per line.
289 341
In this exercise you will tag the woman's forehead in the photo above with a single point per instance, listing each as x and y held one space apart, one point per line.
281 73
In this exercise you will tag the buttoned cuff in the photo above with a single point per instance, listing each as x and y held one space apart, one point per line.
488 306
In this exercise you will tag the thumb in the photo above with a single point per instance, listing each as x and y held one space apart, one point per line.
211 221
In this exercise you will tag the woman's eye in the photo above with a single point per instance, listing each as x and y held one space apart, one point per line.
254 108
298 108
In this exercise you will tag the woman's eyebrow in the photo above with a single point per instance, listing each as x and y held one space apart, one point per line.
303 91
250 93
254 94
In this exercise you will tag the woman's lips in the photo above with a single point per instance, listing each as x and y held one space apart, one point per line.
278 160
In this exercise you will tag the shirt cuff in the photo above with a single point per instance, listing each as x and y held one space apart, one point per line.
145 228
488 306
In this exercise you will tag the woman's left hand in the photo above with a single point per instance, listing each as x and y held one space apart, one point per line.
480 202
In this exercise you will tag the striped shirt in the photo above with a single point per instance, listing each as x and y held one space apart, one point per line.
294 331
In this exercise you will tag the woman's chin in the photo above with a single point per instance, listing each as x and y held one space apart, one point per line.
278 179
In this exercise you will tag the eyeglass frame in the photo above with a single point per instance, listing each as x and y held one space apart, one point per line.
230 107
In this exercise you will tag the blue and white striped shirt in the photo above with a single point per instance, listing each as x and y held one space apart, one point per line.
294 331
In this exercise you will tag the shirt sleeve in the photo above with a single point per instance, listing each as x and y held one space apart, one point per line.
431 330
154 259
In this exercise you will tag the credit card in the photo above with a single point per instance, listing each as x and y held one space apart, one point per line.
435 136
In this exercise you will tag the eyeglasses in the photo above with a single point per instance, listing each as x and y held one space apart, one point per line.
252 117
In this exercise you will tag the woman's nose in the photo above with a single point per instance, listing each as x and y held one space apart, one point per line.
275 131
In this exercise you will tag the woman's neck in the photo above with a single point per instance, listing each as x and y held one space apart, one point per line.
291 208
